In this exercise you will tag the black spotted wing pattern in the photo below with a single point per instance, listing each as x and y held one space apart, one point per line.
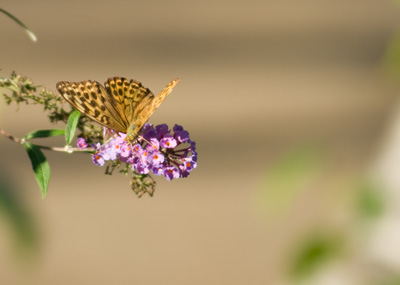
91 99
122 105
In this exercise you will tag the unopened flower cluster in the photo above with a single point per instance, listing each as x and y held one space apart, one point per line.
158 150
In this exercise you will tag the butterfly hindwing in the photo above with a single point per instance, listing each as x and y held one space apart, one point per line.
130 95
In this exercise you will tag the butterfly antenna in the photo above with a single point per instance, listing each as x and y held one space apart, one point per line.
147 141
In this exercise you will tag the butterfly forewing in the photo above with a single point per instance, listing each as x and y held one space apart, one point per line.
90 98
144 111
164 94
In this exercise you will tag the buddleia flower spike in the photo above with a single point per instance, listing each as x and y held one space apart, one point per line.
124 106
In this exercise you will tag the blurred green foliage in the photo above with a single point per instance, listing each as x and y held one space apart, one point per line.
370 201
289 179
288 176
315 251
391 280
23 228
391 59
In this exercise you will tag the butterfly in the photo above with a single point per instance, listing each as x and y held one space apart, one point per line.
121 105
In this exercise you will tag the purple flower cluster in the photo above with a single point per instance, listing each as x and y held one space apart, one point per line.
158 150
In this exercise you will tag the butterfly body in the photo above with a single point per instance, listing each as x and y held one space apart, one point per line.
122 105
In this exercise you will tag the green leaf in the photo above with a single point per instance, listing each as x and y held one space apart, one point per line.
71 126
45 133
40 166
31 35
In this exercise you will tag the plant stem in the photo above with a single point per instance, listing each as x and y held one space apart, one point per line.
52 148
11 137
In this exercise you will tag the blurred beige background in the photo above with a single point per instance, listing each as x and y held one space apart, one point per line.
260 80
